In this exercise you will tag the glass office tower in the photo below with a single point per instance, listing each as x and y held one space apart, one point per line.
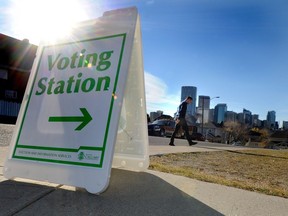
219 113
271 118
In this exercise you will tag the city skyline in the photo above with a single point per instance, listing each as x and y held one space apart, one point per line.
270 116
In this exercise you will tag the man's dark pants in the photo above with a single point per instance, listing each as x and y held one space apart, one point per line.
181 123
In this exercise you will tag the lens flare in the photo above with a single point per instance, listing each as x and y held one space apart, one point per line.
45 20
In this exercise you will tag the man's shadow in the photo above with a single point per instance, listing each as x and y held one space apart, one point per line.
129 193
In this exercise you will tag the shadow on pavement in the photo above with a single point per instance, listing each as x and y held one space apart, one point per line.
15 196
129 193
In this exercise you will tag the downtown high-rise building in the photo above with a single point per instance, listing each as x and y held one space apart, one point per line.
271 119
219 113
204 101
203 108
247 114
189 91
255 120
285 125
231 116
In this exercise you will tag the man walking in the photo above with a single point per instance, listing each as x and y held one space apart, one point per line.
181 122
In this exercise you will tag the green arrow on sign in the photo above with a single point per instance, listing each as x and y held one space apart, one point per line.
85 119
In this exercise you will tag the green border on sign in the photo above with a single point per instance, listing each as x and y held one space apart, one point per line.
102 149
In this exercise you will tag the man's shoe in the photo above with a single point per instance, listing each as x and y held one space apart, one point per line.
192 143
171 144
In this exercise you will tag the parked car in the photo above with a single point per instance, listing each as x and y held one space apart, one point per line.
161 128
166 128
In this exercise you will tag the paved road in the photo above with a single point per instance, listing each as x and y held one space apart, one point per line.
136 193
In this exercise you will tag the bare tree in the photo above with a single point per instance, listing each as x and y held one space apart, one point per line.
235 131
264 136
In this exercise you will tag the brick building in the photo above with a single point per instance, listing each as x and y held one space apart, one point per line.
16 60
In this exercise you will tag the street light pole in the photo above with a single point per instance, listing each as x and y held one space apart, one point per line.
202 125
202 115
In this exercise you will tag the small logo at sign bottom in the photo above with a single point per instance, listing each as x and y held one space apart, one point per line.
81 156
87 156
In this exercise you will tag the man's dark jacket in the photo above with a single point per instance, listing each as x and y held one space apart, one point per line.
182 109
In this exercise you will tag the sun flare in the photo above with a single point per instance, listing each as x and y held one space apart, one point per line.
45 20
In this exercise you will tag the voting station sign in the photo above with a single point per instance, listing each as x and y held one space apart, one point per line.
70 104
67 126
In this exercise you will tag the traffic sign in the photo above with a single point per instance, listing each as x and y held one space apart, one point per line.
79 89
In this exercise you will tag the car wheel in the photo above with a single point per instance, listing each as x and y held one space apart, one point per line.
162 133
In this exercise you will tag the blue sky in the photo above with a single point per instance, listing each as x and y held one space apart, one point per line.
237 50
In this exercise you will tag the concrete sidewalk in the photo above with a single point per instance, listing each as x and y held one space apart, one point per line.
135 193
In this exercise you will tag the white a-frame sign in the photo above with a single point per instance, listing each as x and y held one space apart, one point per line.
85 98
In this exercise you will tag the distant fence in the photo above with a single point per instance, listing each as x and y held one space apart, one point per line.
276 139
9 108
278 143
